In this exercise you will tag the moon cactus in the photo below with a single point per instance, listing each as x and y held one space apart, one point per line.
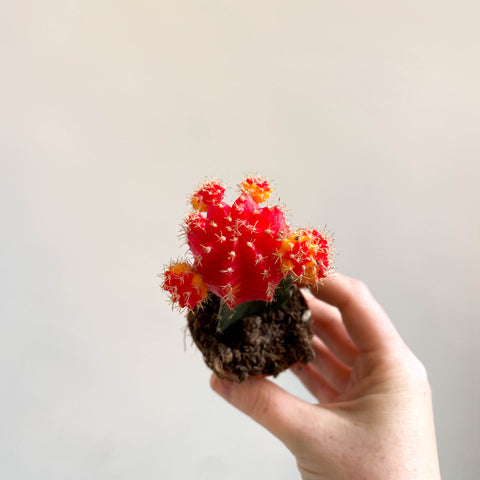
241 252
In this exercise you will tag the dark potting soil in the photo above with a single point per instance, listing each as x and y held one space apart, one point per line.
255 345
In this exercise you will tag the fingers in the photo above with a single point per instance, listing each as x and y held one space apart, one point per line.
366 322
327 324
336 373
315 383
325 376
265 402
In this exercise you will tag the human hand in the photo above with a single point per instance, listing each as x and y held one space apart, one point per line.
374 419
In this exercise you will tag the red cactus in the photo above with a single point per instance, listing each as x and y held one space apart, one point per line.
242 251
234 248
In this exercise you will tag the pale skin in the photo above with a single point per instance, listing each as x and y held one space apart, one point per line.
373 419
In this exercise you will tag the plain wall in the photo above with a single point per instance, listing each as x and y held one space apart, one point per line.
365 114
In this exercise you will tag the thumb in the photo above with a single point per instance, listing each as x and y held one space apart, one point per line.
278 411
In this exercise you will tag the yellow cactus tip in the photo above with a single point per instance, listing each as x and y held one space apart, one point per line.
257 187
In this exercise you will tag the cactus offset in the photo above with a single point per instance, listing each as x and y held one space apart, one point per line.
241 252
185 285
305 254
209 193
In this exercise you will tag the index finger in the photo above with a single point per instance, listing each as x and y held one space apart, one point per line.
368 325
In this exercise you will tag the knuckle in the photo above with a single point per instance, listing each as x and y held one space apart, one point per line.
360 288
415 373
419 370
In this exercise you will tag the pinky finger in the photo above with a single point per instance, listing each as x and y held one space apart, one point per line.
315 383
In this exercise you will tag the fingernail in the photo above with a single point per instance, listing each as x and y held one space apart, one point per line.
222 387
306 292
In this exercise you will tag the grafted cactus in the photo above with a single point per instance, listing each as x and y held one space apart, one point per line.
241 252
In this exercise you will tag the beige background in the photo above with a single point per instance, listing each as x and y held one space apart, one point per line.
366 115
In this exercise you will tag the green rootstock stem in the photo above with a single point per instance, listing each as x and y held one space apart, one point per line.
228 316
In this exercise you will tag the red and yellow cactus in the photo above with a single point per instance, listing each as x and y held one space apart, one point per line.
242 251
